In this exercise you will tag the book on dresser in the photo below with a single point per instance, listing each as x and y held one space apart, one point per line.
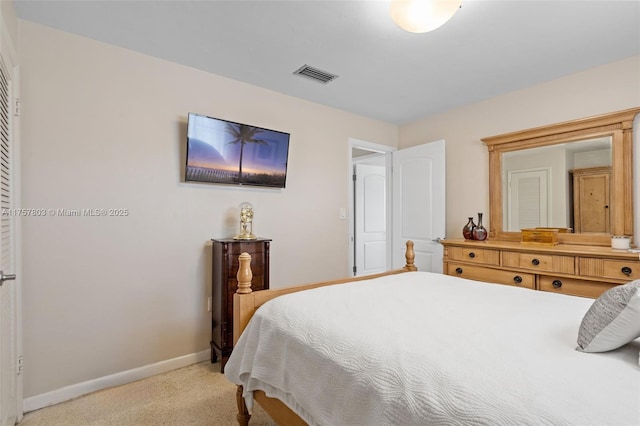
224 283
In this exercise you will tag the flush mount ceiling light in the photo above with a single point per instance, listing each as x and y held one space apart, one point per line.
421 16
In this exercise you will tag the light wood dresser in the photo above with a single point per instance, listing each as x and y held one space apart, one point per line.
578 270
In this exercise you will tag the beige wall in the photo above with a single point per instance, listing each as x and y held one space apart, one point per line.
103 127
8 13
600 90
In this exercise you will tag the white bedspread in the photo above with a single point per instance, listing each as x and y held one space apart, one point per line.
430 349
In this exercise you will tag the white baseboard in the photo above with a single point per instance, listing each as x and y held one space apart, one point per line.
73 391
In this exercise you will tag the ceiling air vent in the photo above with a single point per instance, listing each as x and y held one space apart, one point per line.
315 74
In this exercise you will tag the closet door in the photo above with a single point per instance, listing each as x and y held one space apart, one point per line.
10 341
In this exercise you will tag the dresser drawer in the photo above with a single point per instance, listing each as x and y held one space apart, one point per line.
574 286
623 270
499 276
475 255
539 262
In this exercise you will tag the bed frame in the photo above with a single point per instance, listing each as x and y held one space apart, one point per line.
245 303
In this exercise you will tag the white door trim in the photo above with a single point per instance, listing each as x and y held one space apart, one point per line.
18 241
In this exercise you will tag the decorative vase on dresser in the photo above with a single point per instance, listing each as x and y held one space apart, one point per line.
479 232
467 231
224 284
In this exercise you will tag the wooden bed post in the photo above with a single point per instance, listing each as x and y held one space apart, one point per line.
410 257
244 275
243 416
243 296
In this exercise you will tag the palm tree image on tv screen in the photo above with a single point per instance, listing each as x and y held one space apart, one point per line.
225 152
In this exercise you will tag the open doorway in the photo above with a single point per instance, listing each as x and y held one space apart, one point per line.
407 202
370 215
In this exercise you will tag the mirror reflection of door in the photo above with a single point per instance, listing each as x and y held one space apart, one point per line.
528 198
591 199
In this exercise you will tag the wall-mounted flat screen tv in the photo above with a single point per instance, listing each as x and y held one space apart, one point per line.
226 152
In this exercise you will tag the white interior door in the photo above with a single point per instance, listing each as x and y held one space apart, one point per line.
370 218
527 199
419 204
10 374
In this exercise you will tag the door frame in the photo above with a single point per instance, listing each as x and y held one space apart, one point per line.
378 149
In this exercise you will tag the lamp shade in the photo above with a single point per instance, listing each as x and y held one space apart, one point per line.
421 16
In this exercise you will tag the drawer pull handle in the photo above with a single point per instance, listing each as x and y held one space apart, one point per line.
458 270
535 262
472 255
517 279
626 270
556 283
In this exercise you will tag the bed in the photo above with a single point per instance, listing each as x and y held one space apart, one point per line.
416 348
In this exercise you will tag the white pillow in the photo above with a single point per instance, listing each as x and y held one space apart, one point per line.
613 320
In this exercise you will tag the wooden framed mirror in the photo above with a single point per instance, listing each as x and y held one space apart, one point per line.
564 160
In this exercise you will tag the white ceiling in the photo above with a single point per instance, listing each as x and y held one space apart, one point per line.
488 48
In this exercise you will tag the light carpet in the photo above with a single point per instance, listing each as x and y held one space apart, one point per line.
193 395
